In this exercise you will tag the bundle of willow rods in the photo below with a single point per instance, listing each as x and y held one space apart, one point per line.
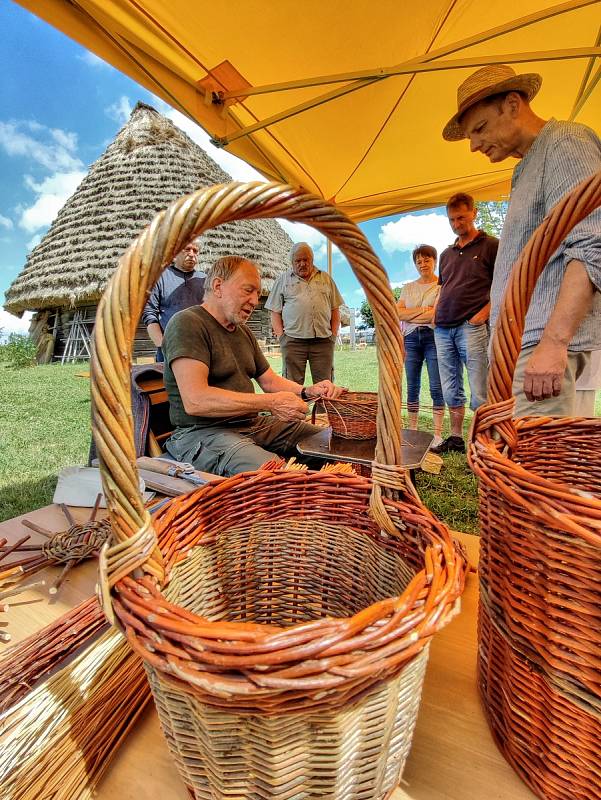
26 662
58 740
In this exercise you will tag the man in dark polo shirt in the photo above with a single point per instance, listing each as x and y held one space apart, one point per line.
461 315
211 360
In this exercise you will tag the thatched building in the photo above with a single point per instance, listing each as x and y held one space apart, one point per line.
150 163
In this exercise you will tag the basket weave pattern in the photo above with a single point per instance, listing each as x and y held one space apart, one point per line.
540 560
353 415
278 613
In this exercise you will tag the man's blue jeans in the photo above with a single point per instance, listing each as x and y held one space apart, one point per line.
464 345
420 347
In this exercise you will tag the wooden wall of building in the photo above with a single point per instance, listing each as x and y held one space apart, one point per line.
62 321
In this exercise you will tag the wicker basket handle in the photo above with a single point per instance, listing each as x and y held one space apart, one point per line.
122 304
507 336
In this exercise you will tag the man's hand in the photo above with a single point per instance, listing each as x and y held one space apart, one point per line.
480 317
324 389
287 406
544 370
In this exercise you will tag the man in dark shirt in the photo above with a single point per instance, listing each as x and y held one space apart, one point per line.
461 315
211 360
179 287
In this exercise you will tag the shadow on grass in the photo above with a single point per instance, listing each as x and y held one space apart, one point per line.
23 496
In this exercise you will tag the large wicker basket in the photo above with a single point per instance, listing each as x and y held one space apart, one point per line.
283 616
540 562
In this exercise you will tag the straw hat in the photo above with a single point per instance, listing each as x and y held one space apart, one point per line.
487 81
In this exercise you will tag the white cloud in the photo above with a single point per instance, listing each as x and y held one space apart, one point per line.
5 222
52 193
412 229
121 110
92 60
11 324
299 232
53 148
33 242
66 139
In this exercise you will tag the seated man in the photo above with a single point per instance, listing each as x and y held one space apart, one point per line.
211 357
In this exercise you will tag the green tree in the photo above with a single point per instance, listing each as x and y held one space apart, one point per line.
365 309
491 216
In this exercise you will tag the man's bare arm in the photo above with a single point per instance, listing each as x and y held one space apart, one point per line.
156 333
335 321
480 317
546 366
202 400
277 323
270 381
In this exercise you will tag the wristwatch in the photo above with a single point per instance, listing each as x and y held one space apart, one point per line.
304 395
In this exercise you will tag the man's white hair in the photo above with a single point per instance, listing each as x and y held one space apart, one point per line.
296 247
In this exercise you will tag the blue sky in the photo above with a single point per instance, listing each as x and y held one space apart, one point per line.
60 106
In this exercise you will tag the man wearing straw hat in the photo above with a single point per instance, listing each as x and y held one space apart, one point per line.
211 360
563 324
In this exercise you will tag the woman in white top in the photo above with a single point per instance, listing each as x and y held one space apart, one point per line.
416 311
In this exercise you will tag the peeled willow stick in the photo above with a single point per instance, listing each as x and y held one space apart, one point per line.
25 663
58 740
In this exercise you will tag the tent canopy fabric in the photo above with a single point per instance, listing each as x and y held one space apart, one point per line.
346 98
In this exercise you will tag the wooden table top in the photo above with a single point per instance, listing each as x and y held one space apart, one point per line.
361 451
453 756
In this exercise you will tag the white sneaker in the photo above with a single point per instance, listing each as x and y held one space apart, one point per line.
436 441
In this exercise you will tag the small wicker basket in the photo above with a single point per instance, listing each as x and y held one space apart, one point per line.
283 616
352 415
540 556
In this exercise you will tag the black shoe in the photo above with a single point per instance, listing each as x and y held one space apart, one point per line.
452 444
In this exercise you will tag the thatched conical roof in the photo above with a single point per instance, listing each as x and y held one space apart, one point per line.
150 163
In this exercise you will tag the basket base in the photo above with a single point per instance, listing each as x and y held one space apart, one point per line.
552 744
353 753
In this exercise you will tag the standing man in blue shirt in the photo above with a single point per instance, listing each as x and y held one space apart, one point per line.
563 324
179 287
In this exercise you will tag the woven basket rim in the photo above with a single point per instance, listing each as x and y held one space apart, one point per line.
426 604
538 489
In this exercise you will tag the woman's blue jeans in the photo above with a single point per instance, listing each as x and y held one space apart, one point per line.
419 347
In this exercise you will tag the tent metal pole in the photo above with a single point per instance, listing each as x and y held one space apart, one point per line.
410 69
586 94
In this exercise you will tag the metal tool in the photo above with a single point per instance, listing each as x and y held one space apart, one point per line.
175 469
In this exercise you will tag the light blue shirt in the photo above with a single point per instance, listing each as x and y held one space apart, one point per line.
306 306
561 156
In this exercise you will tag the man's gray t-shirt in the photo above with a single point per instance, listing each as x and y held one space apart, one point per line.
561 156
234 358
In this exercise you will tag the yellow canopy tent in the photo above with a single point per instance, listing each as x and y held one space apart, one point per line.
345 97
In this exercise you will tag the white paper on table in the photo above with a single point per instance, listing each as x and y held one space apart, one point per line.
79 486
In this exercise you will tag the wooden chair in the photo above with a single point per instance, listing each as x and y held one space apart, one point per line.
151 385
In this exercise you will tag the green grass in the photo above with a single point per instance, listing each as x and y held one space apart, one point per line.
45 426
